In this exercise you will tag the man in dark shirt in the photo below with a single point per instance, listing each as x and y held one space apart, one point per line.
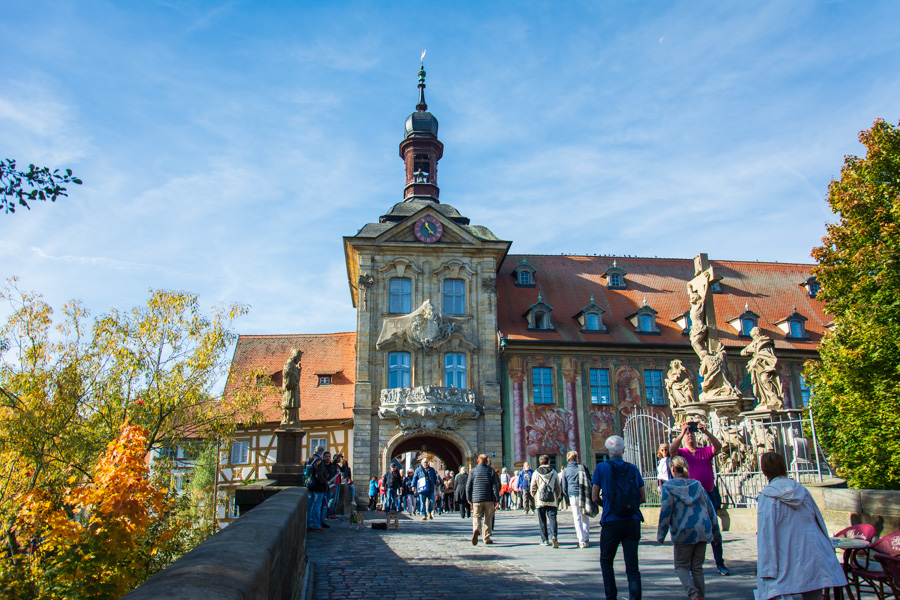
483 493
617 529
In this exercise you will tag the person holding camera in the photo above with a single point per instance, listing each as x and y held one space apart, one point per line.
700 465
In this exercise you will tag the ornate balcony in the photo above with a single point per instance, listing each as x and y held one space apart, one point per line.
428 408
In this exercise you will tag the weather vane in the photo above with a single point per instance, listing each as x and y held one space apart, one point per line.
422 58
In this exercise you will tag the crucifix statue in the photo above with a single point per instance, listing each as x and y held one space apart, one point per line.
704 334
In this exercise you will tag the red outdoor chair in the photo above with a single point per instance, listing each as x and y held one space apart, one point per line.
864 568
855 532
891 566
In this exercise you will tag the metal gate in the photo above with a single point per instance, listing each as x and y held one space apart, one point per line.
644 432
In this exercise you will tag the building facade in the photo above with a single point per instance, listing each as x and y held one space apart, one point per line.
461 348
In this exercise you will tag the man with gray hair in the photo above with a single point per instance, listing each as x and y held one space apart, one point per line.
623 493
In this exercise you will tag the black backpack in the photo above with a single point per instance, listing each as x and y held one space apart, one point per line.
546 494
624 496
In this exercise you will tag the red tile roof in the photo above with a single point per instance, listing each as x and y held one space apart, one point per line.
323 354
566 283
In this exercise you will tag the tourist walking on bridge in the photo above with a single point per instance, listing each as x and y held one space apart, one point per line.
483 493
318 487
796 557
525 477
426 486
547 491
459 492
576 482
623 493
699 462
688 513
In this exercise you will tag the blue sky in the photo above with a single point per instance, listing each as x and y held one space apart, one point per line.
227 147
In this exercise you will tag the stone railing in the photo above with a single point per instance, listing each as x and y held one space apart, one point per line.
261 556
428 408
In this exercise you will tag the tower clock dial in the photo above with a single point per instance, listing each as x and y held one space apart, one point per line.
428 229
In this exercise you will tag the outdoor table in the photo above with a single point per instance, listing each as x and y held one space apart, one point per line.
845 544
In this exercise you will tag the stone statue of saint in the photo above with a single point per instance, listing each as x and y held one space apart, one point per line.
679 386
763 374
290 386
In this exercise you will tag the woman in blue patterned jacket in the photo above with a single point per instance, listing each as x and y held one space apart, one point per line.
688 513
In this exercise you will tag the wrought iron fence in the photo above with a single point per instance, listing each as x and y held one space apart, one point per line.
790 433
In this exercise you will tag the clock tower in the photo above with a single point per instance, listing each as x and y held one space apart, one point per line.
424 282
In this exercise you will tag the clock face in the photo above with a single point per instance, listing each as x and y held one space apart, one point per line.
428 229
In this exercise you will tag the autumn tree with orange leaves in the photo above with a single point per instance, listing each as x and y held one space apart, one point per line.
75 391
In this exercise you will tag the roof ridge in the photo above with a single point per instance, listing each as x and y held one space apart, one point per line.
625 256
285 335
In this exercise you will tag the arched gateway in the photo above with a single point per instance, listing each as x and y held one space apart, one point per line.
451 448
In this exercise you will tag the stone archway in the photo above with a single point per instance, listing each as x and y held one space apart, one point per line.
451 448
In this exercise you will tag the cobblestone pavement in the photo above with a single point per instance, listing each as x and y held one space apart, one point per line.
436 560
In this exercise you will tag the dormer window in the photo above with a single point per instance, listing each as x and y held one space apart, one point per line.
812 286
684 322
615 277
524 275
324 380
644 320
747 325
591 318
538 316
794 326
745 322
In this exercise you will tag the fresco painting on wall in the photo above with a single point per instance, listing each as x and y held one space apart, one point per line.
545 430
628 387
603 425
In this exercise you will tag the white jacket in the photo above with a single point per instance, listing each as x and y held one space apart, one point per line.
794 549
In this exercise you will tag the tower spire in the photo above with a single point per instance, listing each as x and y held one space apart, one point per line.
421 106
420 149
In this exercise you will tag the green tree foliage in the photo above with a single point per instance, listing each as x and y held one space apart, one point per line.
857 382
37 183
68 389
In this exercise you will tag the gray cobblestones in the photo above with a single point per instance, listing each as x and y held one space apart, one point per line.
433 560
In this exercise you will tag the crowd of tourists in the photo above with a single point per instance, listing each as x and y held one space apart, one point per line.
323 475
795 556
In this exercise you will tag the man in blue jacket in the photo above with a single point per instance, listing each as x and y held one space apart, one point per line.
426 479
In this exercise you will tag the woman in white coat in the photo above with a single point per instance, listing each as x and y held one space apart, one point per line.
796 558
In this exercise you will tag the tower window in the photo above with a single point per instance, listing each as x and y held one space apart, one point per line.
400 292
399 371
422 164
455 370
455 296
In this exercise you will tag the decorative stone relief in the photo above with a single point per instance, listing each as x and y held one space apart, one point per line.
427 409
425 327
365 282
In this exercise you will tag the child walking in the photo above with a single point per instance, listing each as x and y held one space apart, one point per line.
688 513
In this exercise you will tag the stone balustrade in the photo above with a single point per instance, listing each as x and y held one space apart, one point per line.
428 408
261 556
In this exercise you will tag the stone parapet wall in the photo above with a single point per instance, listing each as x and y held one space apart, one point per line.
261 556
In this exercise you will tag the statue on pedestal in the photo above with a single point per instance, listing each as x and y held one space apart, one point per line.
680 388
290 386
763 374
